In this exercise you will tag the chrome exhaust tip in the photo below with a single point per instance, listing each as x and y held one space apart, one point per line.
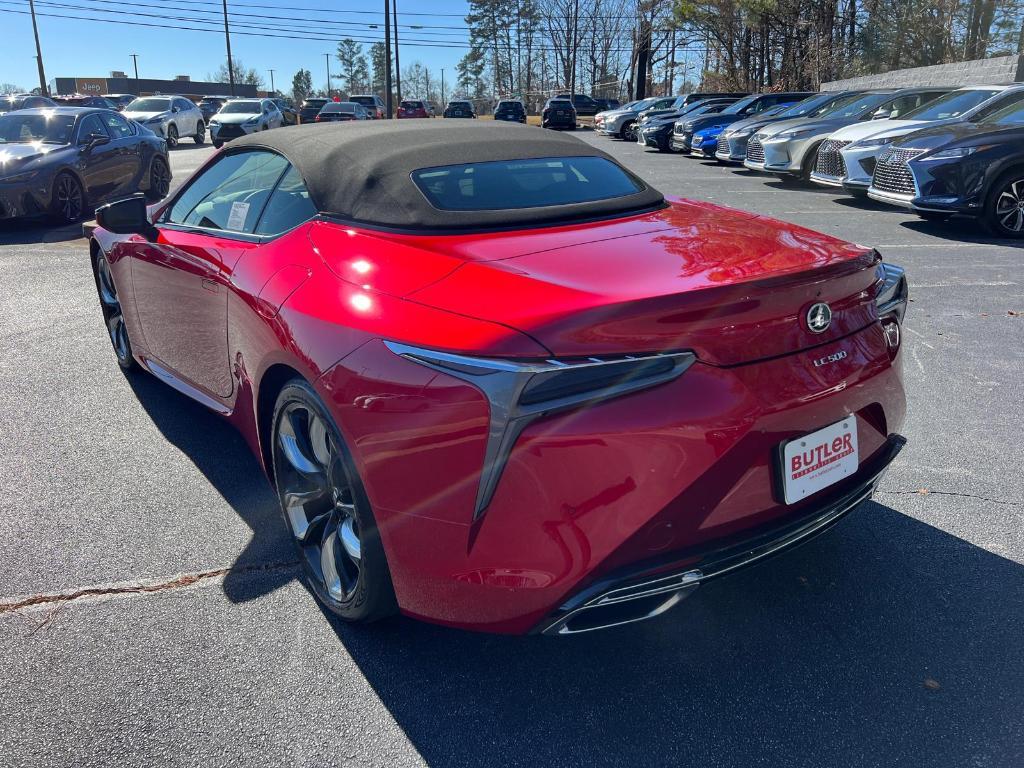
626 605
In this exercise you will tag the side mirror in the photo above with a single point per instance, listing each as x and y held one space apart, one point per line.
94 140
126 217
175 109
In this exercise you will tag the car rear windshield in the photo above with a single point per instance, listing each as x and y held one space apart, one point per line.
340 106
241 108
950 105
366 101
48 129
314 102
510 184
149 105
411 105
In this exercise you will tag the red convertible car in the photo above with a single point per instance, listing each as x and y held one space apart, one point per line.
498 381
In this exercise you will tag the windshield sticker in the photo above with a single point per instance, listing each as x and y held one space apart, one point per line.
236 219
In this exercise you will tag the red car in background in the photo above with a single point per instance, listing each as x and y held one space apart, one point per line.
413 108
498 381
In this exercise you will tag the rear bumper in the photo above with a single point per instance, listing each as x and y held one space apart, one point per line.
685 467
634 596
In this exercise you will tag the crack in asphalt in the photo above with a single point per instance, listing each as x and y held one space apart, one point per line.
142 587
929 492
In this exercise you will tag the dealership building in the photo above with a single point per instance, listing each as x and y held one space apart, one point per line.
119 82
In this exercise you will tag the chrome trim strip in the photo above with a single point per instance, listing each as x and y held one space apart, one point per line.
503 382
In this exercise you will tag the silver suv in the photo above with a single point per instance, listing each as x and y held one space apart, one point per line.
239 117
172 117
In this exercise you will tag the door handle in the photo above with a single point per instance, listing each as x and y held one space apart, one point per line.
210 285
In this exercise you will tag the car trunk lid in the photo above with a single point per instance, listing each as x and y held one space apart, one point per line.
731 286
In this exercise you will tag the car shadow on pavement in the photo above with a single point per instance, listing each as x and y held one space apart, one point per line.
220 453
34 231
886 642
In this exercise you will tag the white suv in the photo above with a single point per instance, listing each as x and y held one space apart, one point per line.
172 117
239 117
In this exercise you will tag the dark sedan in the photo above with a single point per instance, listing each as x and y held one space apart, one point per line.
23 101
343 111
559 113
310 109
65 161
975 169
83 100
210 106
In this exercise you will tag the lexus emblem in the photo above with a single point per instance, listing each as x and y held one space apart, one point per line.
819 317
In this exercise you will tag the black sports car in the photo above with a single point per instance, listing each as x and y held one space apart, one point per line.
65 161
975 169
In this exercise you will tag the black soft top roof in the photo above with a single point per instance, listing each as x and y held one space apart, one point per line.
361 172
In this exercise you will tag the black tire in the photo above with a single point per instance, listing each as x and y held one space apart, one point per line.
172 136
113 317
159 179
1003 214
200 135
217 144
326 509
789 179
67 200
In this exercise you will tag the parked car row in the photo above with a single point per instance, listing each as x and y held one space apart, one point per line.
933 150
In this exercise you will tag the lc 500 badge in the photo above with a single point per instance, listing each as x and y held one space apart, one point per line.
833 358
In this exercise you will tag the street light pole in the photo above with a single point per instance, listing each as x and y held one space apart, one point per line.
328 57
39 51
387 57
135 61
272 88
227 39
398 67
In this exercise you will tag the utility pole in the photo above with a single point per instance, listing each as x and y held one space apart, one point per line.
39 51
443 102
328 57
135 61
398 66
272 88
387 57
227 39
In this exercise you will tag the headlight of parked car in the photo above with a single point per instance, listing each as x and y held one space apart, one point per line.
952 154
870 143
792 133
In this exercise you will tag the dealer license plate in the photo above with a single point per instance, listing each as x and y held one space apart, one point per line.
819 459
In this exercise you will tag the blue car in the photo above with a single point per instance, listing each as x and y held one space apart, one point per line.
686 129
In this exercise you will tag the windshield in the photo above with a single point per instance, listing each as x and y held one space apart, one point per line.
411 105
857 105
26 128
1011 115
211 101
241 108
149 105
735 107
510 184
817 105
340 106
952 104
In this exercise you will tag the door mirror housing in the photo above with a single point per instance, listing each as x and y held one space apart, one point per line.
94 140
127 217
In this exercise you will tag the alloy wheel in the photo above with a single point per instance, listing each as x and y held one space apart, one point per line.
1009 213
69 199
159 179
112 313
318 500
629 131
172 136
200 136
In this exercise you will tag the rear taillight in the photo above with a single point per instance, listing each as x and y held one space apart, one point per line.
891 298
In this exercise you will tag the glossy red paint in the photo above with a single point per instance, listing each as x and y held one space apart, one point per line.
668 470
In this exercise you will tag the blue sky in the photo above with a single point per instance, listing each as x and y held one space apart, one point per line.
77 48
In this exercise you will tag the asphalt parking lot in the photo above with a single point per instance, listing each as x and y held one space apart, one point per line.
169 627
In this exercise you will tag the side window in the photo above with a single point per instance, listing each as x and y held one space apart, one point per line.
288 207
1016 98
117 126
90 124
183 105
230 194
